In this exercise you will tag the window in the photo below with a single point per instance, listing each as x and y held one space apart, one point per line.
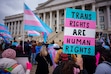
55 28
102 26
62 28
55 15
101 18
101 11
16 22
55 22
78 7
62 21
10 23
10 27
62 14
13 26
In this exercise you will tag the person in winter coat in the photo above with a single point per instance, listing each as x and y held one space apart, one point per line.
43 58
33 53
8 63
105 66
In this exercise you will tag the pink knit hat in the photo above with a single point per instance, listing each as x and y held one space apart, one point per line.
9 53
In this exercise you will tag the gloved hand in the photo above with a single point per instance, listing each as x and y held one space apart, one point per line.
97 58
29 65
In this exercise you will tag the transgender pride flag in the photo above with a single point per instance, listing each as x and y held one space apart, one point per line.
33 33
4 32
4 29
31 22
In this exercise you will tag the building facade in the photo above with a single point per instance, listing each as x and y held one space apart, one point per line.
53 13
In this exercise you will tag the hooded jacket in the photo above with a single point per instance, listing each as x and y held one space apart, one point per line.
103 68
7 62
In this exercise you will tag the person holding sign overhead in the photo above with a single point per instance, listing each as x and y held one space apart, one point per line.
79 35
68 64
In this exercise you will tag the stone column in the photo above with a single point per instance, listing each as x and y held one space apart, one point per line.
93 7
83 7
51 19
18 27
108 16
98 22
44 16
8 26
21 33
57 20
15 28
64 14
11 28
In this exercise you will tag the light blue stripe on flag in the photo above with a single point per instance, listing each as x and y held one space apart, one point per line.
4 31
45 25
82 14
26 7
45 37
33 35
79 49
36 28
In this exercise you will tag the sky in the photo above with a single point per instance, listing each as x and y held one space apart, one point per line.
12 7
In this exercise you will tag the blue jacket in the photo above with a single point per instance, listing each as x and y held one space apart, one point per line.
37 48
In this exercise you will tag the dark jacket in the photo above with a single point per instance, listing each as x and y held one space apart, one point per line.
89 63
42 66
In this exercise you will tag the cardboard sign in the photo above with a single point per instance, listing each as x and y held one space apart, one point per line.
79 33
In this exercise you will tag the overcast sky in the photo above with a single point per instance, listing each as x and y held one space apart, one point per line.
11 7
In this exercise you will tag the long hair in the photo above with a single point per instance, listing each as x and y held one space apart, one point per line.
43 51
69 67
106 55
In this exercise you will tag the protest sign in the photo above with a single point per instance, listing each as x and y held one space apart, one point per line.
79 33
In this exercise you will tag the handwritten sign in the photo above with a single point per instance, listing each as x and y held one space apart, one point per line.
79 33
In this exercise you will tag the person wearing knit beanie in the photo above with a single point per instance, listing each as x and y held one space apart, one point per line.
9 53
8 63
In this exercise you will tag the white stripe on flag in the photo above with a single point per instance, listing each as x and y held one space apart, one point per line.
30 17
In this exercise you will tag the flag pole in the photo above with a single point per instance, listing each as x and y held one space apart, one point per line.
23 29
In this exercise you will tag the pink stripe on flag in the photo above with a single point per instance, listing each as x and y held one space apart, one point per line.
4 34
2 28
32 23
76 40
77 23
28 12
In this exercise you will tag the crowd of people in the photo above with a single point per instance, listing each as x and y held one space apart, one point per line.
44 55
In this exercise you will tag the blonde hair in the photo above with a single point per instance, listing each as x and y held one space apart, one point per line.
43 51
